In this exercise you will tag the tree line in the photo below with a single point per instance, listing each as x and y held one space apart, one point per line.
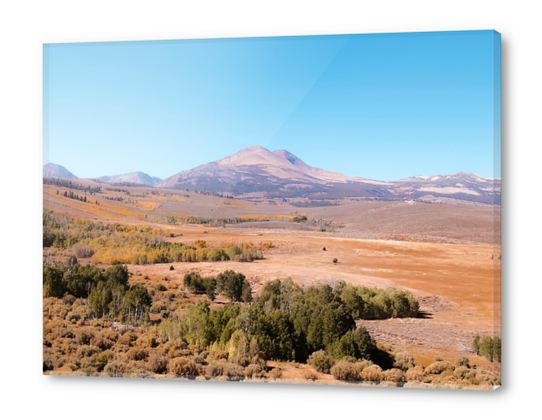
287 322
123 244
108 292
70 184
73 196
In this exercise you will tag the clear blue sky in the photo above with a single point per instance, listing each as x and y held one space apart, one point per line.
383 106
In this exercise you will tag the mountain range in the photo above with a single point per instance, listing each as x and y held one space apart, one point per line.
256 172
52 170
133 178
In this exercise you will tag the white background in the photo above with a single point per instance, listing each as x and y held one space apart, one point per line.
25 26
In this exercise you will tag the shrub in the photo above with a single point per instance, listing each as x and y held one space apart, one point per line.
171 268
68 300
462 372
358 367
233 370
117 367
105 357
350 359
128 338
403 360
474 380
275 373
160 287
149 341
73 317
462 361
260 359
82 251
416 373
158 306
447 376
223 368
157 363
137 353
174 348
321 361
342 371
309 375
107 334
252 370
372 373
86 351
394 375
438 367
102 341
335 260
83 336
68 367
89 364
215 367
182 366
217 355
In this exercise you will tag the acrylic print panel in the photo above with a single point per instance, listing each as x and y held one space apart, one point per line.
309 210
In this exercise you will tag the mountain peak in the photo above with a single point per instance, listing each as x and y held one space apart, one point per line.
253 155
52 170
254 148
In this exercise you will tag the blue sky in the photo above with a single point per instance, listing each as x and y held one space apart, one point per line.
383 106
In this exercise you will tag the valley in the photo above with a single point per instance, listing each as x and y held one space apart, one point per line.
446 253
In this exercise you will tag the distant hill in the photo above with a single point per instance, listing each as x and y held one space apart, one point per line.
280 174
52 170
460 186
133 178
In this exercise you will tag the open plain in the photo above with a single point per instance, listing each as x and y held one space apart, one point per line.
448 256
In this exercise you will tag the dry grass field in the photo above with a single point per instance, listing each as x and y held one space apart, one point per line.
444 254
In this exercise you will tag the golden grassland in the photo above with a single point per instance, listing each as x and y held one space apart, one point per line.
144 205
128 244
103 209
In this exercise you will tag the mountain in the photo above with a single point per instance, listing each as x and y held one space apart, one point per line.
133 178
52 170
258 172
443 188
